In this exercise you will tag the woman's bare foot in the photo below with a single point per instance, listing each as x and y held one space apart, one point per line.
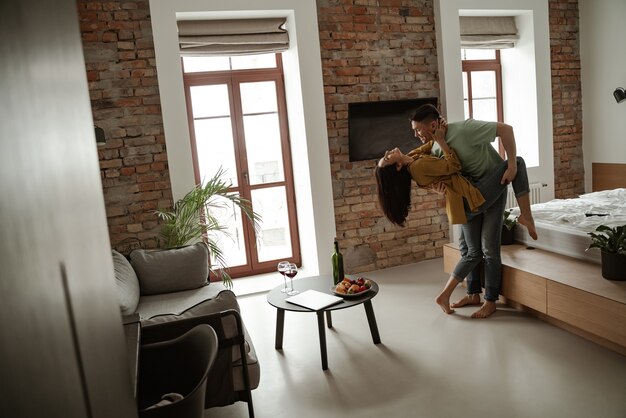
473 299
486 310
444 303
529 223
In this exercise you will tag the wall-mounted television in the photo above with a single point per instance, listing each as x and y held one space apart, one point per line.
375 127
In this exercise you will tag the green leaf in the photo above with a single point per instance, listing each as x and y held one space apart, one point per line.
609 239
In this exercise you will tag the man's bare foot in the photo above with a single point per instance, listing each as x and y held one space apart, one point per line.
444 303
529 223
486 310
467 300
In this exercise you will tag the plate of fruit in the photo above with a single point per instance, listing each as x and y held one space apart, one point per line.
351 288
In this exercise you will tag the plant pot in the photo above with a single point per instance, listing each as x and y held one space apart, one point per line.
613 266
508 236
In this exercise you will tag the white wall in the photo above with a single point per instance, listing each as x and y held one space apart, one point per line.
603 68
532 115
305 104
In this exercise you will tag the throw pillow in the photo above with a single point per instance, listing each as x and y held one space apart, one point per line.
126 283
173 270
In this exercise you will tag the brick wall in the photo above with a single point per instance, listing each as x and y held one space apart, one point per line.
121 71
371 50
567 122
377 50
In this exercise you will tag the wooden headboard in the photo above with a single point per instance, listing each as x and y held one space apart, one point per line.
605 176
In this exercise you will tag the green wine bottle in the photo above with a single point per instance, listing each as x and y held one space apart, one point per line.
337 262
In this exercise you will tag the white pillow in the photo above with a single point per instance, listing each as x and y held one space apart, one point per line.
126 283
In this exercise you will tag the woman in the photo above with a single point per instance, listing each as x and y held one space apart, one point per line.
464 200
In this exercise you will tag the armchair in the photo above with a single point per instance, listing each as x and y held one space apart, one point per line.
177 368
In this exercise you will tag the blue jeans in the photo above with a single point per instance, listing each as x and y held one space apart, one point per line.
480 238
491 189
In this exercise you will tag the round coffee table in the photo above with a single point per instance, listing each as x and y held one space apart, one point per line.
322 284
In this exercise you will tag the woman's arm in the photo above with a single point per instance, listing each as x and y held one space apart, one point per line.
421 150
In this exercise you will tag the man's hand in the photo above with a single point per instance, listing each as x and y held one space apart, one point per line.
439 136
439 187
509 174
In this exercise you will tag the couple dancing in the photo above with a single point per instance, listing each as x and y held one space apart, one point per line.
458 159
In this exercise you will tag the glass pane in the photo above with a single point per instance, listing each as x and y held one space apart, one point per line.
243 62
478 54
231 243
214 146
483 84
273 240
210 101
485 109
465 89
263 147
258 97
198 64
465 96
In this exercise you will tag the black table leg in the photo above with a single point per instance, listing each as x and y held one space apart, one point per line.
322 332
329 320
371 319
280 324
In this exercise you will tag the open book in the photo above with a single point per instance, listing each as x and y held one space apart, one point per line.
314 300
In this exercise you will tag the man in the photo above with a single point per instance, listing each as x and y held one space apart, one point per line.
471 140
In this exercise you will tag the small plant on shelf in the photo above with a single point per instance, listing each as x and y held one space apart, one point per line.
611 240
509 221
612 243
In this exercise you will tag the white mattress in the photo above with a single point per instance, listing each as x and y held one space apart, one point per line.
563 224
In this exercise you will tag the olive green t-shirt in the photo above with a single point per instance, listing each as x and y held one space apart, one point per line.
471 140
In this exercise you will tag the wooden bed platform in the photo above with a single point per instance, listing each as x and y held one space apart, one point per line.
564 291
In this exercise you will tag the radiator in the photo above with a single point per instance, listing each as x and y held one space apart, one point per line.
535 195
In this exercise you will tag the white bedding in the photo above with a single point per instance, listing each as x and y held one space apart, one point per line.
563 224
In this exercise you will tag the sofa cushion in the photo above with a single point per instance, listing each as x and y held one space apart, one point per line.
167 306
127 285
172 270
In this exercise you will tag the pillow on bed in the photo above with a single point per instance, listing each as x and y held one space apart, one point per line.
127 285
173 270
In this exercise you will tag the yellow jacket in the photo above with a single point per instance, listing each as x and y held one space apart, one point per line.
426 169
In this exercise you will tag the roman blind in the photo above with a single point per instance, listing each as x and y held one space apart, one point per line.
232 37
493 32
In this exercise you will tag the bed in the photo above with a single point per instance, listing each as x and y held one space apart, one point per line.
563 224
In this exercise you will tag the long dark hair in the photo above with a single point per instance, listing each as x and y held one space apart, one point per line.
394 192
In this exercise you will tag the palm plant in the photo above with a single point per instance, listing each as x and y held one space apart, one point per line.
191 220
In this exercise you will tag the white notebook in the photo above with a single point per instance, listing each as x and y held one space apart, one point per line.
314 300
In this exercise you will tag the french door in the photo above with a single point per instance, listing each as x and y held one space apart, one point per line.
238 121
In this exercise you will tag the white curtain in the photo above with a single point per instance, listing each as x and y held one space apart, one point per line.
494 32
232 37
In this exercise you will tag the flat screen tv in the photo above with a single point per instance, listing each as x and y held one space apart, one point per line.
375 127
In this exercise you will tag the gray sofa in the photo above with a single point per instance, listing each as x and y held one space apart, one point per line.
170 292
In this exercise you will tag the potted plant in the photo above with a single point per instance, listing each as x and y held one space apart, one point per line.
508 231
190 220
612 243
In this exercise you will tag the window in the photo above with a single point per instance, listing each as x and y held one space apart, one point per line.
238 121
482 86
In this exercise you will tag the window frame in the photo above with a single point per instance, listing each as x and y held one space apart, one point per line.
495 65
233 79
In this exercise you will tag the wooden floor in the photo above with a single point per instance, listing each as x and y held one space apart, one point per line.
565 291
